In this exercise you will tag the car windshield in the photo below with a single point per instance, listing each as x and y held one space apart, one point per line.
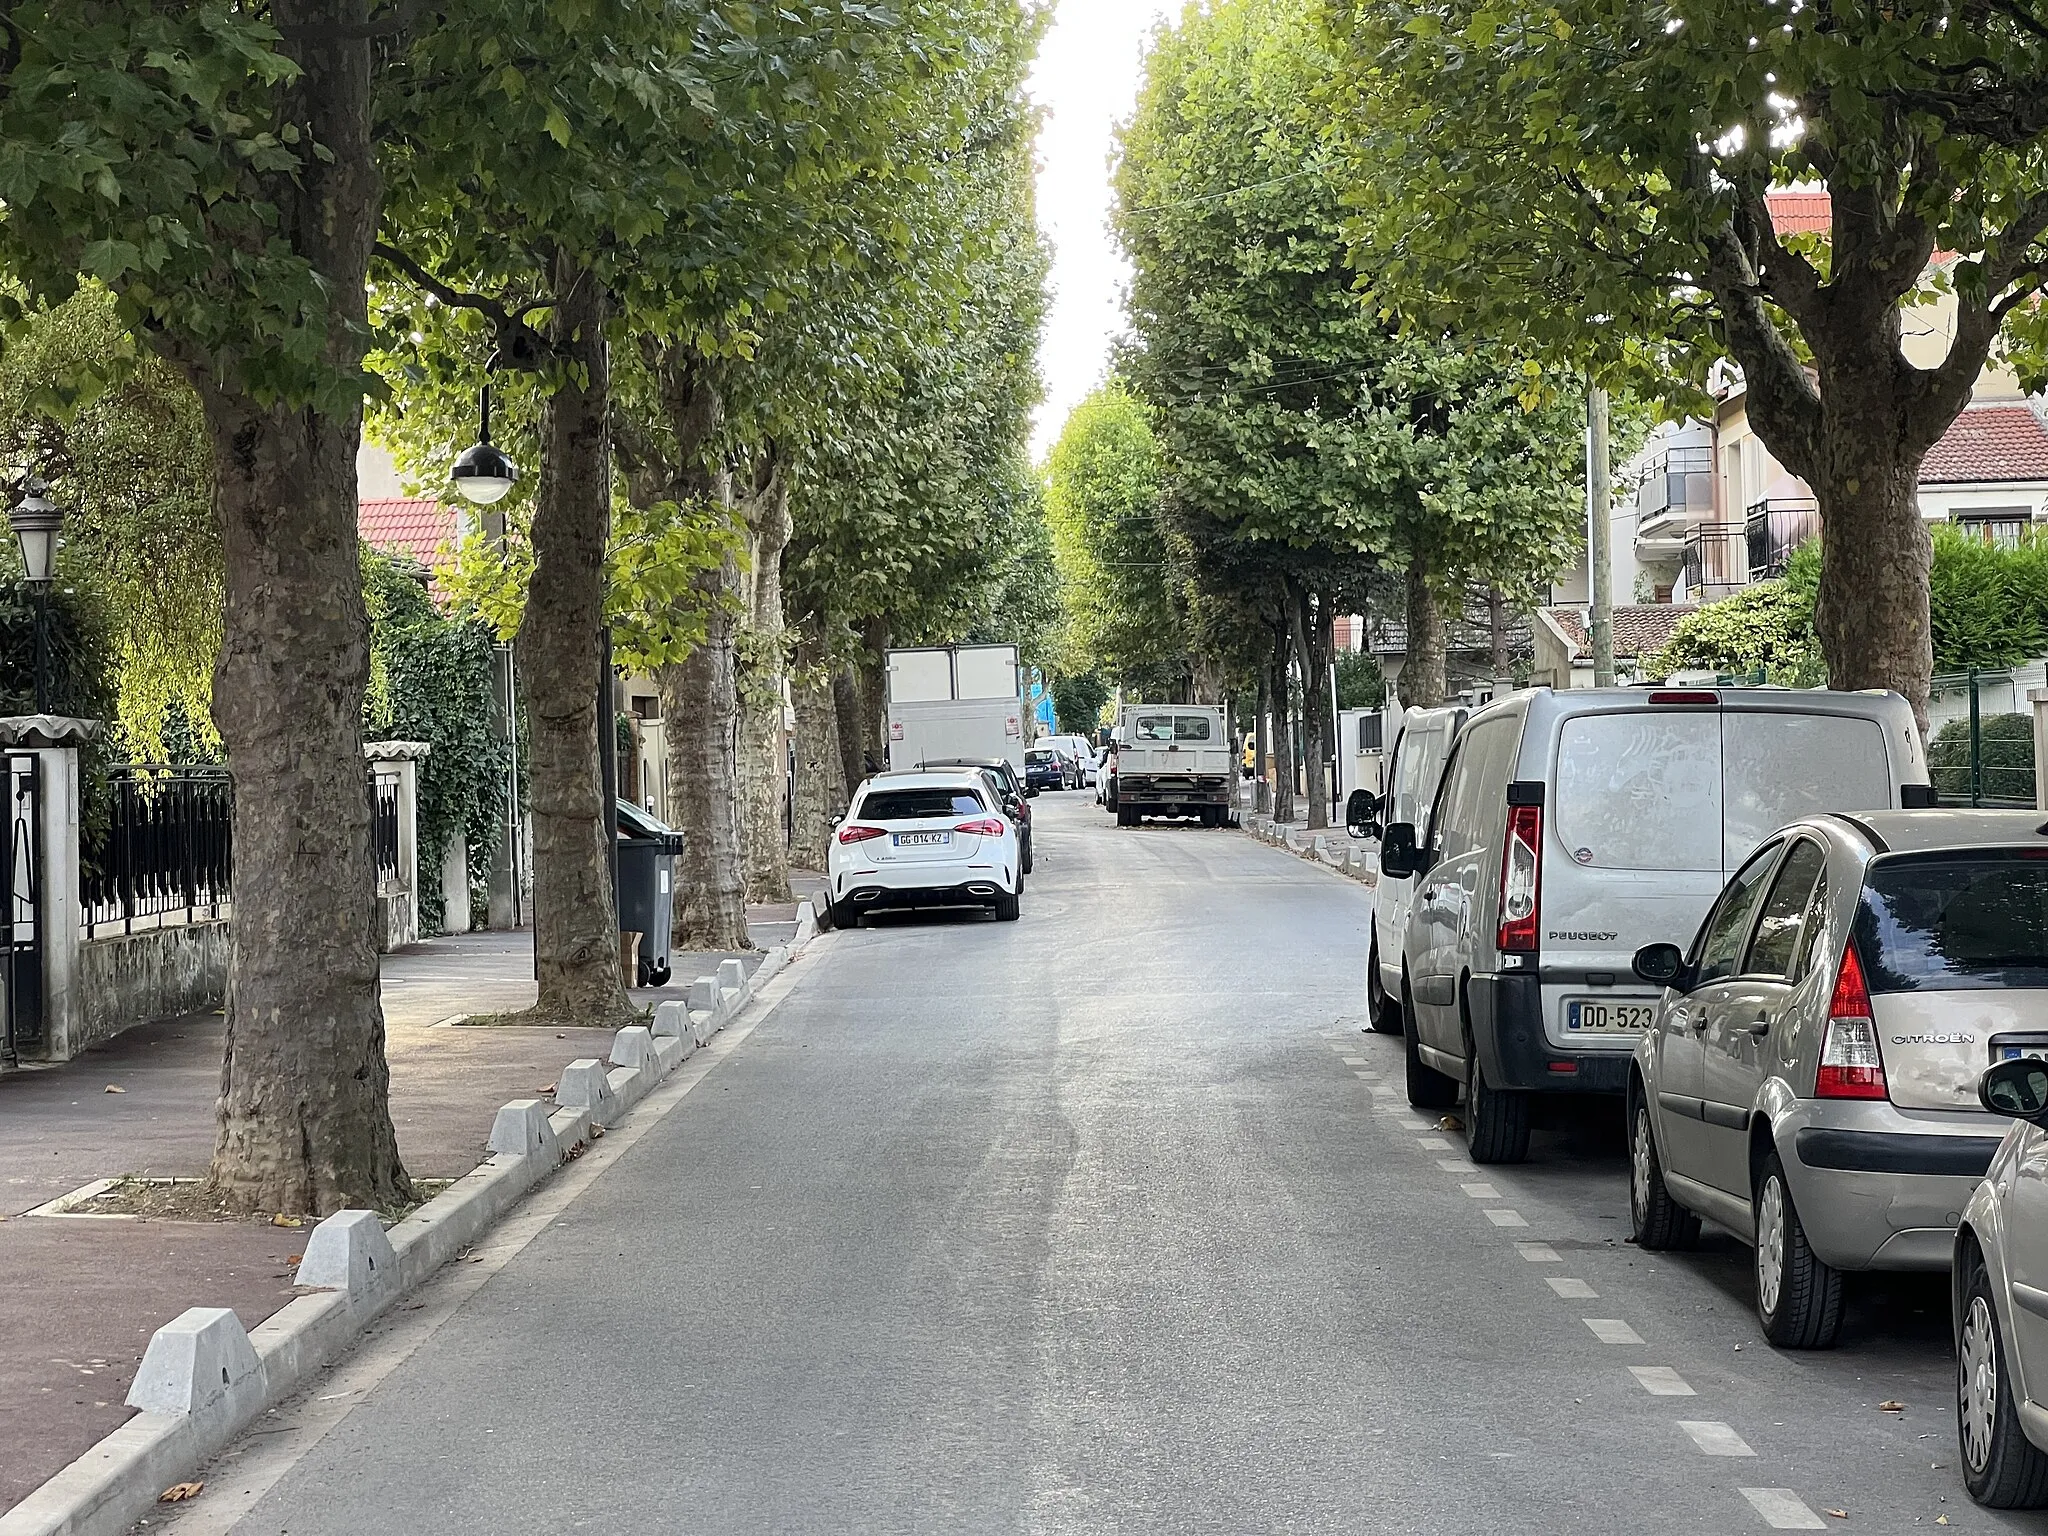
1953 922
920 804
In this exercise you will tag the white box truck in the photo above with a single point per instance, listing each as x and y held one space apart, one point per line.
955 701
1174 760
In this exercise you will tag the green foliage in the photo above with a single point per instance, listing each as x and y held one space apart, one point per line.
131 465
1360 684
1765 631
1078 701
2005 771
80 658
1989 605
431 682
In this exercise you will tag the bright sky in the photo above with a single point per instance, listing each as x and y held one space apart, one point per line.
1086 79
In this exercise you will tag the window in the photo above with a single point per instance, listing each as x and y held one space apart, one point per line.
920 804
1954 922
1728 924
1778 766
1641 790
1772 951
1153 728
1472 805
1191 727
2000 526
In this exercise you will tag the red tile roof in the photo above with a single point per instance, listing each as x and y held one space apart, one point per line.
1639 628
1989 443
414 526
1800 213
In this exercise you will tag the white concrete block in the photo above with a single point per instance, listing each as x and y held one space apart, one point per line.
583 1085
730 1001
193 1361
731 975
702 996
629 1085
522 1129
671 1019
350 1251
703 1025
673 1050
633 1046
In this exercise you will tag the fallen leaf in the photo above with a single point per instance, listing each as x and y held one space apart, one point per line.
1891 1405
561 1037
546 1088
178 1493
110 1088
1941 1519
1837 1514
282 1220
1450 1123
296 1258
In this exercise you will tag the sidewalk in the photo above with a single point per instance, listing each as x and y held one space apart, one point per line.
85 1293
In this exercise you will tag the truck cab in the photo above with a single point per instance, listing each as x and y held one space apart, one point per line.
1174 760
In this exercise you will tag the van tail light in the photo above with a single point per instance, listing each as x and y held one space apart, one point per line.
1521 879
987 826
860 834
1851 1066
1684 696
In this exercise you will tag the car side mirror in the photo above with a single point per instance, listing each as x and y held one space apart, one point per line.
1359 812
2016 1089
1399 857
837 818
1661 965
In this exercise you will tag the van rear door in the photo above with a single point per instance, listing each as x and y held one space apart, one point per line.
1778 765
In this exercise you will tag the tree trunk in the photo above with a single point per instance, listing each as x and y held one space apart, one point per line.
1283 733
847 719
1423 684
1305 618
575 920
763 755
872 669
702 692
1262 744
1497 629
1873 619
820 787
304 1122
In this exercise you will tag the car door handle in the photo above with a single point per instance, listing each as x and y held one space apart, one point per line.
1761 1027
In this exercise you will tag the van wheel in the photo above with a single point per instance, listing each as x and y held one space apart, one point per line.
2001 1467
1381 1011
1496 1119
1798 1298
1661 1223
1427 1087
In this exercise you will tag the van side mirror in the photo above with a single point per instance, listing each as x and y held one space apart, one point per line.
1360 811
1661 965
2016 1089
1399 857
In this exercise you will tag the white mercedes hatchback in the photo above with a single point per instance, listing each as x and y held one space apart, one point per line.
930 839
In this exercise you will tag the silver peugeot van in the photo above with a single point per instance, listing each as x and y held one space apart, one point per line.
1572 828
1412 775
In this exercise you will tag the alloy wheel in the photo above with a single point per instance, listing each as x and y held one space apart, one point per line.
1639 1168
1977 1383
1770 1243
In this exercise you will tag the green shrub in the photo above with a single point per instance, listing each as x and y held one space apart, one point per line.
2006 753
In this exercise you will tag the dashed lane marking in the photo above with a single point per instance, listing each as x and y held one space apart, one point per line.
1457 1164
1782 1510
1715 1439
1612 1330
1571 1290
1538 1253
1352 1061
1481 1191
1370 1077
1661 1381
1501 1216
1433 1143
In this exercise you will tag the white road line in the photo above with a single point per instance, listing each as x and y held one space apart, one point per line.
1352 1061
1661 1381
1538 1253
1571 1290
1612 1330
1481 1191
1457 1164
1782 1510
1370 1077
1433 1143
1501 1216
1714 1438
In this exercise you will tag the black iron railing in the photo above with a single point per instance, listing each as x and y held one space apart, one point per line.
1777 526
384 827
1716 560
166 853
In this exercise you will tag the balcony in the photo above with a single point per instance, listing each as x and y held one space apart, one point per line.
1680 488
1777 526
1716 560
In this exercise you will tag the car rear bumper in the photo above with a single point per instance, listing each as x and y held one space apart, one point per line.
982 891
1507 1032
1878 1187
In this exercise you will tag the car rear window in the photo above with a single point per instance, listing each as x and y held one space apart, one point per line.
920 804
1038 757
1172 728
1950 922
1641 790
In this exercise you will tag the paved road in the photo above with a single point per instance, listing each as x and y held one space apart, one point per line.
1107 1221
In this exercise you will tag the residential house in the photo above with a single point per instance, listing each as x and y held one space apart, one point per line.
1564 650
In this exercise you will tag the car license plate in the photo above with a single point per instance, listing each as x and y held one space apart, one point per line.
1588 1016
2012 1049
921 839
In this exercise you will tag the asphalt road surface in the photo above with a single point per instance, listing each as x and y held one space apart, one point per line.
1108 1220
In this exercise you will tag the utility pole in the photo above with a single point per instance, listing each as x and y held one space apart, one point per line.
1599 479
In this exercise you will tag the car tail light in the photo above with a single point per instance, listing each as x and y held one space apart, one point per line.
987 826
860 834
1684 696
1851 1066
1521 879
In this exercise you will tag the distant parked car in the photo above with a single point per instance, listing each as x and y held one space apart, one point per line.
1809 1078
1078 750
924 840
2001 1267
1047 768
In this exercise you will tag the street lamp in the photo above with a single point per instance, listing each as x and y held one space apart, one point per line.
482 473
36 519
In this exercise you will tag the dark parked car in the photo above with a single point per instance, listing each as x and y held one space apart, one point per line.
1048 768
1016 794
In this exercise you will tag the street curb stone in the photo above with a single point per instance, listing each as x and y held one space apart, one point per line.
106 1490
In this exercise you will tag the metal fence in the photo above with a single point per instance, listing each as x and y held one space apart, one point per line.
384 827
165 854
1982 748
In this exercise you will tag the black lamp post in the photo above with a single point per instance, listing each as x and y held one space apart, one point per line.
36 520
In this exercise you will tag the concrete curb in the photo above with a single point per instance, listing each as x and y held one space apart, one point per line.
1336 851
105 1491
